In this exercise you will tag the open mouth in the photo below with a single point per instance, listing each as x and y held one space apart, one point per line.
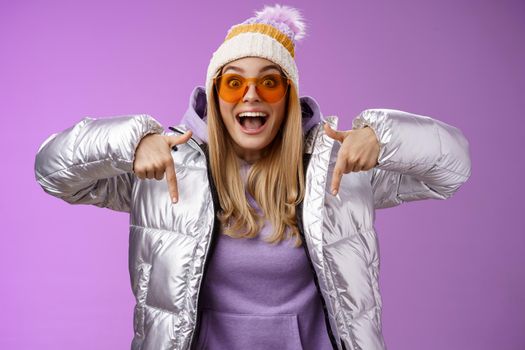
252 121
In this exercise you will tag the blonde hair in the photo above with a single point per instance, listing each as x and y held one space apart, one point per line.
276 181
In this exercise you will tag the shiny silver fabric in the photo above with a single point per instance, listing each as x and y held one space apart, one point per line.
91 163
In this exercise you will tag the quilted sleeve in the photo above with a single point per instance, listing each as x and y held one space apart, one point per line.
92 161
419 157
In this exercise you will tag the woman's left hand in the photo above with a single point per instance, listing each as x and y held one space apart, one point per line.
359 152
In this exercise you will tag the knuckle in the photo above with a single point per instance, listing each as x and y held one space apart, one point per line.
158 166
352 158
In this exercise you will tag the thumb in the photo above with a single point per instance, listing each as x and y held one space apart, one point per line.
334 134
173 140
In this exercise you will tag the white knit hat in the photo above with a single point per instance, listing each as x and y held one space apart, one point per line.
271 34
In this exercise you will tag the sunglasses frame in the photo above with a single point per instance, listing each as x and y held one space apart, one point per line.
254 80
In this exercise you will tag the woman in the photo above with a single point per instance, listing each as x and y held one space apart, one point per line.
262 242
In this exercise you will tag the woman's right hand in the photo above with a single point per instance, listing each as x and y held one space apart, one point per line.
153 159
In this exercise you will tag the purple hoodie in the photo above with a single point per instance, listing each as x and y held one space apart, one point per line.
256 295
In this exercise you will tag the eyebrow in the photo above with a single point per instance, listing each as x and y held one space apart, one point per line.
264 69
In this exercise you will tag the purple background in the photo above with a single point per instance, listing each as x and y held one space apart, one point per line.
452 272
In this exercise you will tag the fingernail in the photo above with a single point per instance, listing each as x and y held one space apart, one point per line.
174 200
334 191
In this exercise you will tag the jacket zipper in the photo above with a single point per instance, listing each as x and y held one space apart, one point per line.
299 216
214 233
215 227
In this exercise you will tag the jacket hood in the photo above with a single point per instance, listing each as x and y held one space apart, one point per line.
195 117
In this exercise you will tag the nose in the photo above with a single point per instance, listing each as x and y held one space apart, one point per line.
250 94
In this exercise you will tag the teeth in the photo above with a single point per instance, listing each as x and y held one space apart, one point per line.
253 114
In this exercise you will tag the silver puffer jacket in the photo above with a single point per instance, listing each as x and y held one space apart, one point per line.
91 163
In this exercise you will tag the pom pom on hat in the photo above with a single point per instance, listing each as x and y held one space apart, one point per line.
285 14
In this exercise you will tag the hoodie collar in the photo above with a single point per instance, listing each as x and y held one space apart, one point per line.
195 116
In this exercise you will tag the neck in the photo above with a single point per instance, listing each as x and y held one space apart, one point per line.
249 157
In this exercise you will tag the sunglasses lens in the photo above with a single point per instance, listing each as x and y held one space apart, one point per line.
232 87
272 87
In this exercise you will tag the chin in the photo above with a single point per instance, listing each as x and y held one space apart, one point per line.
252 146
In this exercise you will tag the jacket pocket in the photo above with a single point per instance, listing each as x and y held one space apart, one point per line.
232 331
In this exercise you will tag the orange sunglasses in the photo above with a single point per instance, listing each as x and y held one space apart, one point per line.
232 87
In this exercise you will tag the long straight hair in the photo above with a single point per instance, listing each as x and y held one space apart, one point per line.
275 181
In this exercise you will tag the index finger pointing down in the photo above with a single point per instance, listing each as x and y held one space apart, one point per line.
171 178
336 179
